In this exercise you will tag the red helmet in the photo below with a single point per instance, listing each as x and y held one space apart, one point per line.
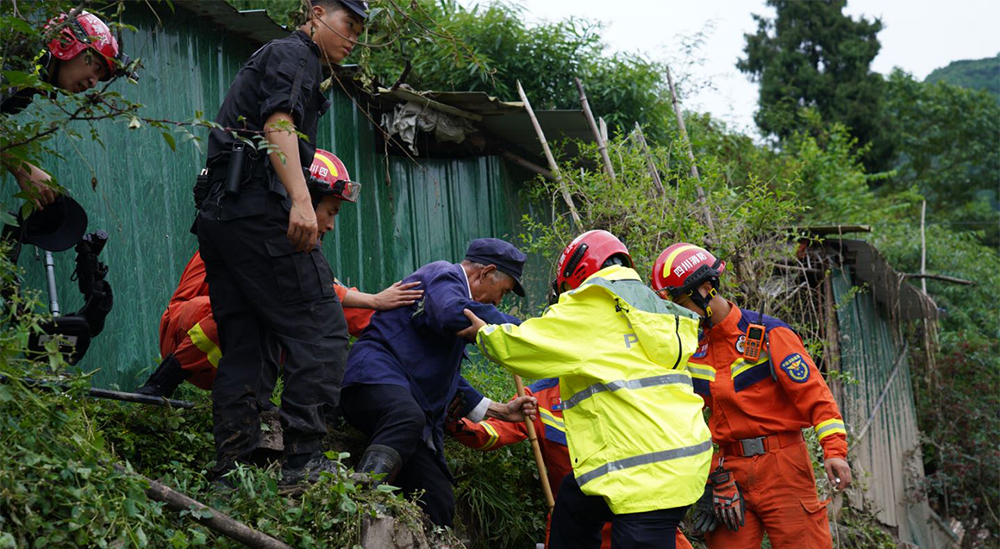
87 31
586 255
683 267
328 176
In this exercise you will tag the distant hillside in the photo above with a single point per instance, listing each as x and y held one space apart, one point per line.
981 74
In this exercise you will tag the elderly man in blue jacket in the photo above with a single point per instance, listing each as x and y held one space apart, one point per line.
404 372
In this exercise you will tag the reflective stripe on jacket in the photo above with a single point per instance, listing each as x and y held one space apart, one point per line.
634 426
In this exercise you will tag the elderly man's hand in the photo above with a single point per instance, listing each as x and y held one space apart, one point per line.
469 333
515 410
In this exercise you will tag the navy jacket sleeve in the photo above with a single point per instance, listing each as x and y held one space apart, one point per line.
445 298
470 397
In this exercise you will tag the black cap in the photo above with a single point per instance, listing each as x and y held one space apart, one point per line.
503 254
357 6
57 227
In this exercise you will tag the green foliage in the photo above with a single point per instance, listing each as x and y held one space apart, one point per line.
813 56
499 498
949 149
956 406
499 49
751 217
974 74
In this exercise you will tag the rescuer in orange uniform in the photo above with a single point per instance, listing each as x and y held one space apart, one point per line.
758 410
494 434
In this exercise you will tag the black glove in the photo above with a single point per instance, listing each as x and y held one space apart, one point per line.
703 517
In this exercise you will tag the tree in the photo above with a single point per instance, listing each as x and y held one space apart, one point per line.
949 149
812 56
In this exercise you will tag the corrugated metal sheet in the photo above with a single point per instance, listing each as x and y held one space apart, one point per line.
408 215
890 449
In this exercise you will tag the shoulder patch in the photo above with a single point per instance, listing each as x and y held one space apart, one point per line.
796 367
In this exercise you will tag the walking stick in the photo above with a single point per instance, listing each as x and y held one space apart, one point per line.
543 473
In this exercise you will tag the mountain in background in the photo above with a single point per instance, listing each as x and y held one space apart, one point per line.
979 74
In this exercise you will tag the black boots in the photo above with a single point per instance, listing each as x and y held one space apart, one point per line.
165 379
378 460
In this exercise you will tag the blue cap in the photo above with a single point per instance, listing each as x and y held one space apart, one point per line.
357 6
503 254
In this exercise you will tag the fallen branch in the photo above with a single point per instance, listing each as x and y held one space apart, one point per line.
527 164
943 278
106 394
213 519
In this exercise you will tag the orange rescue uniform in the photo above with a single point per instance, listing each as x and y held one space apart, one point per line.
188 331
759 409
494 433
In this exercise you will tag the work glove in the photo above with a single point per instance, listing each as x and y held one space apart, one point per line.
726 498
703 517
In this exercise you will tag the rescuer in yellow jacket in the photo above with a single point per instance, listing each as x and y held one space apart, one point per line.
637 440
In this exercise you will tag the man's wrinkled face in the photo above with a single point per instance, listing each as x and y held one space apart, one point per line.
81 73
336 32
490 286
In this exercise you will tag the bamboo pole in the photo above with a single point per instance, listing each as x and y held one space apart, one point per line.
653 172
543 473
551 159
213 519
602 145
527 164
923 245
690 151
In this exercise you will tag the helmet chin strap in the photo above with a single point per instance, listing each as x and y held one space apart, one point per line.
704 301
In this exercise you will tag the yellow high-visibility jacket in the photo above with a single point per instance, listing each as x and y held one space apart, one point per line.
634 425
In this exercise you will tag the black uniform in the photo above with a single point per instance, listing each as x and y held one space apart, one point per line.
258 284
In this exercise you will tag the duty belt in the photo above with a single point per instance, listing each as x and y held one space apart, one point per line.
748 447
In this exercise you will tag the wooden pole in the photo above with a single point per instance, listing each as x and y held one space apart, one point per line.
602 145
653 172
527 164
690 151
208 516
551 159
923 245
543 473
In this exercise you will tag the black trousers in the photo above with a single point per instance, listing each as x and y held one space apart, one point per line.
390 416
577 521
263 291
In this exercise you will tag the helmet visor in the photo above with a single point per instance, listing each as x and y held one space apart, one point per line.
347 190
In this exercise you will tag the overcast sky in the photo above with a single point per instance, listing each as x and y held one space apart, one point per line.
918 36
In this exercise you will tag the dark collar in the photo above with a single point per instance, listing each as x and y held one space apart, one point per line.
307 41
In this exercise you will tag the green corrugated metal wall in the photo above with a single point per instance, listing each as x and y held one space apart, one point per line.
408 215
890 449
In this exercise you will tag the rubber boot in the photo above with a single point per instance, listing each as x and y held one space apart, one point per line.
379 465
165 379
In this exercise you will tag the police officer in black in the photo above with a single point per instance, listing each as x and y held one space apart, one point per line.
257 233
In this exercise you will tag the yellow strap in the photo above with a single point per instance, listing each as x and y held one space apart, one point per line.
830 427
698 371
740 365
206 345
551 420
494 437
